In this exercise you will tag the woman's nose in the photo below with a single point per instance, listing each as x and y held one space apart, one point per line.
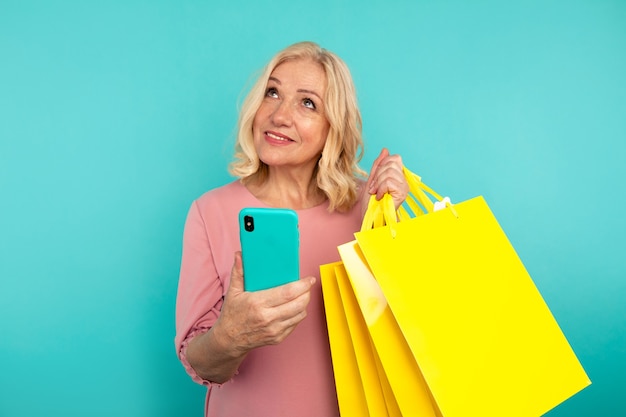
282 115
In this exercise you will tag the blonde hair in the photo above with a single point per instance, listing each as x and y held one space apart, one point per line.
337 171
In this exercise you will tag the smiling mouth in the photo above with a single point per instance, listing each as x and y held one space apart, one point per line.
278 137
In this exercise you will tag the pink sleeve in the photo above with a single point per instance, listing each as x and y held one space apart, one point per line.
200 289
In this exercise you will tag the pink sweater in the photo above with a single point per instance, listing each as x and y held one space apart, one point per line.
294 378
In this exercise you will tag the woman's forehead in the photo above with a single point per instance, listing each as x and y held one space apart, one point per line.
300 73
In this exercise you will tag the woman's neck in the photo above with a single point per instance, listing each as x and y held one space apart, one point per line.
282 189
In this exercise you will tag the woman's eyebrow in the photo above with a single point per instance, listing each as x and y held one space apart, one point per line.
302 90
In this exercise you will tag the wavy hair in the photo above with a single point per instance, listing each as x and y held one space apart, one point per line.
337 172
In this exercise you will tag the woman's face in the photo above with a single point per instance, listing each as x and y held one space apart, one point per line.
290 126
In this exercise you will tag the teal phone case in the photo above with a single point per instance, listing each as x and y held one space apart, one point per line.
270 245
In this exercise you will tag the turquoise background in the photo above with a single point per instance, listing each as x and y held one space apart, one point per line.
115 115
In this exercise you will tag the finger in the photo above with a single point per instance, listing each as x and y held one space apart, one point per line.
286 293
390 168
391 180
390 162
270 325
397 187
289 327
293 312
236 275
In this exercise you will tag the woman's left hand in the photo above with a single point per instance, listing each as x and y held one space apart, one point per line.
386 176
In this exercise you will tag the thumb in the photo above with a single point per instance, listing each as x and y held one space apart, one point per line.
382 155
236 275
384 152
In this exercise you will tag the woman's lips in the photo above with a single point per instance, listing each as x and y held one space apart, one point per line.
277 137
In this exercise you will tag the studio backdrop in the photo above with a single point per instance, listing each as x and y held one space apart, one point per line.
115 115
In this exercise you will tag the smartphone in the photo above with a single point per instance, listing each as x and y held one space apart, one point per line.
270 246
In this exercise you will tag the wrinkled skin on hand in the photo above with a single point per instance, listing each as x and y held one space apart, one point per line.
386 176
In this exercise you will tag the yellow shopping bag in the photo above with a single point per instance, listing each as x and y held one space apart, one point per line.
362 387
375 372
484 339
397 363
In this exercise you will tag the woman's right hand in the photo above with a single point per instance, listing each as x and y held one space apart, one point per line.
248 320
253 319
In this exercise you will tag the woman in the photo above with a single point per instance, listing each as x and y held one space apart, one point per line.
266 353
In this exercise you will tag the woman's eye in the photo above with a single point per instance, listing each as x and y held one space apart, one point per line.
271 92
308 103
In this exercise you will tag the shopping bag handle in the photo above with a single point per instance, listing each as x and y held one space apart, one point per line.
383 212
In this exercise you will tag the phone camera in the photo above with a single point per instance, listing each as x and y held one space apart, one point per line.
248 223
